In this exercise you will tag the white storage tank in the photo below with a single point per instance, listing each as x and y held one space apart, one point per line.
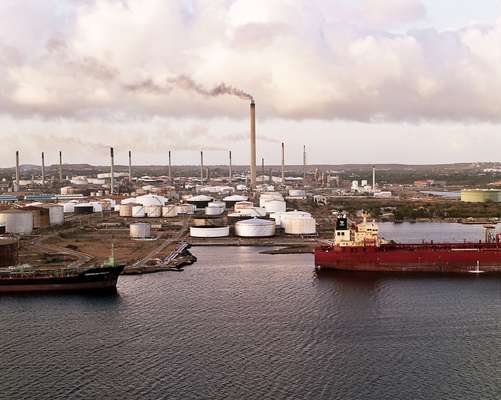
151 200
96 206
231 200
269 196
215 208
185 209
125 210
209 231
153 211
252 212
56 214
275 206
138 212
140 230
299 223
169 211
17 221
255 227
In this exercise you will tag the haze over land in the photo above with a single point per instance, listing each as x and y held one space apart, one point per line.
357 81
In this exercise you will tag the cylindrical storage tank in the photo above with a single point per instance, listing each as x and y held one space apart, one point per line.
125 210
265 197
140 230
8 252
40 216
255 227
200 202
214 210
243 204
209 231
299 223
275 206
153 211
151 200
56 214
84 208
231 200
169 211
17 221
138 212
68 207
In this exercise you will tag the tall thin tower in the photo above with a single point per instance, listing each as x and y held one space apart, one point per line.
283 163
230 172
201 167
43 168
130 166
60 167
112 173
252 138
170 167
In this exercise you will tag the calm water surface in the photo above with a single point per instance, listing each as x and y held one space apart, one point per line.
240 325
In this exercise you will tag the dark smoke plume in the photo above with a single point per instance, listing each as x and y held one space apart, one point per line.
187 83
147 86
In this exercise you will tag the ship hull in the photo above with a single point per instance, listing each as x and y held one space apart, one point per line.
443 258
97 279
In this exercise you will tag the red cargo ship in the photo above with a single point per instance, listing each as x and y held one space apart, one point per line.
360 248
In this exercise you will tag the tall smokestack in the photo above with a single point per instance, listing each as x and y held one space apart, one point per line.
304 164
18 171
60 167
252 138
170 167
263 173
112 174
230 172
283 163
373 178
201 167
43 168
130 166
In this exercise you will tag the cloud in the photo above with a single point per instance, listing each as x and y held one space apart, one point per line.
302 59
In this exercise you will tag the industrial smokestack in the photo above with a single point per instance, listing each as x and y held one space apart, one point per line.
230 172
252 138
43 168
283 163
130 166
170 167
373 178
304 164
201 167
112 175
18 171
60 167
263 173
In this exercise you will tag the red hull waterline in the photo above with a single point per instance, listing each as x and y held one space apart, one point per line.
429 258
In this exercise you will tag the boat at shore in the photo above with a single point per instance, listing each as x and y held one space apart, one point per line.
25 278
361 248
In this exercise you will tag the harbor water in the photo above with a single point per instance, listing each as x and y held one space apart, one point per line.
242 325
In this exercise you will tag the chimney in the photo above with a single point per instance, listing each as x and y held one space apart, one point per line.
112 174
252 138
304 165
43 168
263 173
283 163
130 166
201 167
170 167
230 171
61 167
373 178
18 171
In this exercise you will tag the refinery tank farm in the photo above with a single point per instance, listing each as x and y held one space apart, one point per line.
53 217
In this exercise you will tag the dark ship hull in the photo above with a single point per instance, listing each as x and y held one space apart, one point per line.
95 279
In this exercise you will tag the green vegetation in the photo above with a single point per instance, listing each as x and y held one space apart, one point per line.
412 210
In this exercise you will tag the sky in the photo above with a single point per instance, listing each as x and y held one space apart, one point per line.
356 81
